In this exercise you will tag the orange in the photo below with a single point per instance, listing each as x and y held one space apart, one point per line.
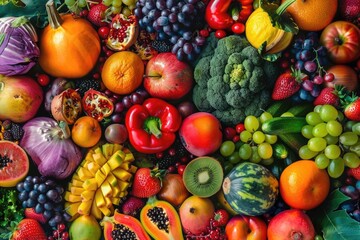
123 72
86 132
312 15
303 185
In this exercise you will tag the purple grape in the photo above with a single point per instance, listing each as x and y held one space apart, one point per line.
28 186
52 194
187 9
20 187
39 208
169 3
36 179
57 218
156 26
306 55
42 198
149 4
47 214
308 44
160 4
165 12
318 79
48 206
188 48
174 39
175 9
23 196
187 35
199 40
136 98
299 65
127 102
30 203
180 54
33 194
310 66
119 107
42 188
175 48
315 92
168 30
138 13
181 42
143 93
308 85
154 14
176 27
192 1
173 17
181 17
116 118
50 183
145 11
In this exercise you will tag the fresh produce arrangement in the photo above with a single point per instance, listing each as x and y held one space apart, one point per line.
179 119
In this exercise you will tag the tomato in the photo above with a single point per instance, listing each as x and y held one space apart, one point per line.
220 34
342 39
240 127
238 28
246 227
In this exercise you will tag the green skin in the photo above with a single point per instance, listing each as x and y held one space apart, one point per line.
85 228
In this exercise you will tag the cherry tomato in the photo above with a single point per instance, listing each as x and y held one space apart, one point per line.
180 169
43 79
103 32
238 28
239 127
220 34
229 133
204 33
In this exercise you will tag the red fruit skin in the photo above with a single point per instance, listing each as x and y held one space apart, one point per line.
221 218
132 206
352 111
355 172
245 227
29 229
327 96
349 9
291 224
30 213
145 185
285 86
97 14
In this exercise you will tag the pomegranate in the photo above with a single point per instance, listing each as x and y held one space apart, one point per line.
20 98
66 106
97 105
123 32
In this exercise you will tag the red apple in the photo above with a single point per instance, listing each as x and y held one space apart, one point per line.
195 214
245 227
342 39
291 224
201 133
167 77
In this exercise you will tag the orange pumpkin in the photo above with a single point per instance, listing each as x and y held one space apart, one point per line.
69 46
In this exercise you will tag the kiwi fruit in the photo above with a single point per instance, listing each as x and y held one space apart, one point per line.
203 176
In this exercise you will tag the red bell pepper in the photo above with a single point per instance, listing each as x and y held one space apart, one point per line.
222 14
152 126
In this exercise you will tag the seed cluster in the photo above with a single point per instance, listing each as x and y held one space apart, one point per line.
4 160
159 217
122 232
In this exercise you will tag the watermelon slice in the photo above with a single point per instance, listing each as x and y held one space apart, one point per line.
14 164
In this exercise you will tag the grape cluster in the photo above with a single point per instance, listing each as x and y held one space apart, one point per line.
60 233
254 145
176 22
76 6
330 144
309 56
352 190
123 103
45 196
121 6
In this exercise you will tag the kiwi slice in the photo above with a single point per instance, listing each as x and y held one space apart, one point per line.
203 176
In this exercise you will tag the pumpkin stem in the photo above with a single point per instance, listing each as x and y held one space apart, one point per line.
54 17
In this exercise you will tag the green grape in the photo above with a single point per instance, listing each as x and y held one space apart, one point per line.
287 114
69 2
258 137
331 139
115 10
336 167
319 130
306 131
334 128
234 158
227 148
351 159
265 116
265 150
245 136
317 108
317 144
332 151
82 3
348 138
126 11
348 125
306 153
238 144
313 118
328 112
322 161
270 138
318 237
267 162
255 157
107 2
129 2
356 128
355 148
245 151
117 3
251 123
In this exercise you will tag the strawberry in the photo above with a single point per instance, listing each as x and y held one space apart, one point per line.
98 15
30 213
354 172
287 84
28 229
221 218
146 182
327 95
132 206
352 109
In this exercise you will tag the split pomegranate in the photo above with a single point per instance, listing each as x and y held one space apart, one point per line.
66 106
123 32
97 105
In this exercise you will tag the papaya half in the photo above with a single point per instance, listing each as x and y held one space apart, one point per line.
120 226
161 220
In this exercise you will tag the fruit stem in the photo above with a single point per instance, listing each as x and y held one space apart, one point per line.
282 8
55 19
152 125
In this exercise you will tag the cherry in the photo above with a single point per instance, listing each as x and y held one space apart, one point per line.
181 169
329 77
43 79
204 33
238 28
220 34
103 32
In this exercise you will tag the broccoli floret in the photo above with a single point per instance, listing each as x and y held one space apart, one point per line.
237 81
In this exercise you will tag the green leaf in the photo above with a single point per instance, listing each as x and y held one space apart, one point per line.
4 2
335 223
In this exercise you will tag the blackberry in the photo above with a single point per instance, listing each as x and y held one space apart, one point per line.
161 46
7 135
85 84
166 161
16 131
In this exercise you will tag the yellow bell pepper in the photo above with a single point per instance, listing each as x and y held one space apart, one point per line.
270 29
